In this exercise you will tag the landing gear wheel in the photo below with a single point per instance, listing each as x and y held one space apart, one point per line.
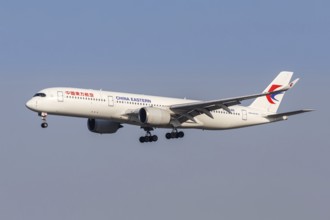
147 139
154 138
174 134
142 139
44 125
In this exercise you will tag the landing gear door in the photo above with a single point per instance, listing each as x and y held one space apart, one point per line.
60 97
110 101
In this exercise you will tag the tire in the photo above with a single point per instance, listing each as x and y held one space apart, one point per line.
142 139
168 135
147 139
181 134
173 135
154 138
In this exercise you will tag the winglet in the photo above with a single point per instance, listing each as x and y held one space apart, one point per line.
289 86
294 82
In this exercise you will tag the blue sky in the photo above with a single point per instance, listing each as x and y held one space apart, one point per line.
195 49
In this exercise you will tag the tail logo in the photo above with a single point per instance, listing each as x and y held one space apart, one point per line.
272 97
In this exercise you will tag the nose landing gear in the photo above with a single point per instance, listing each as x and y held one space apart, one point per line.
43 116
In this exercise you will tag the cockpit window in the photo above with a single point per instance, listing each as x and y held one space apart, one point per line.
40 95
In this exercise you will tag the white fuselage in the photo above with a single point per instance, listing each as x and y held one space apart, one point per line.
118 107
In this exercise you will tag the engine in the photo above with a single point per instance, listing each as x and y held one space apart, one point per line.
103 126
154 116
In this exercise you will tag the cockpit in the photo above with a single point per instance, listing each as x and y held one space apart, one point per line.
38 101
40 95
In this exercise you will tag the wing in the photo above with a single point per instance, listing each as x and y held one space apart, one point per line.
188 111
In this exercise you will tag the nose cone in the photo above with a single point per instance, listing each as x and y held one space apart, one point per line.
31 104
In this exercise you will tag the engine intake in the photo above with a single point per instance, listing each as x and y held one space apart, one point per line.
154 116
101 126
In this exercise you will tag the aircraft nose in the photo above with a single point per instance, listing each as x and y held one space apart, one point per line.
30 104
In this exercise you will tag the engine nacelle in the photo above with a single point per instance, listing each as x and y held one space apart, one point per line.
101 126
154 116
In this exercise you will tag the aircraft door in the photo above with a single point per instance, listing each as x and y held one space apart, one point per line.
110 101
60 97
244 115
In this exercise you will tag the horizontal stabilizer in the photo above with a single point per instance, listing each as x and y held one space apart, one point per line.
288 113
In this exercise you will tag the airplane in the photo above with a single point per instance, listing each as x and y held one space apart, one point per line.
107 111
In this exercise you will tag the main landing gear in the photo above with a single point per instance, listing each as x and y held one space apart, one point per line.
148 137
174 134
43 116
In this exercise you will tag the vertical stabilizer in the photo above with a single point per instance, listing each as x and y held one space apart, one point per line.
271 103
